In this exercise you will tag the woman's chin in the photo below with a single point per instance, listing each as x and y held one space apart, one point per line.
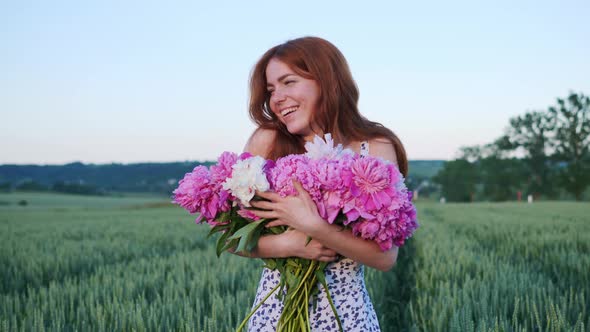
296 130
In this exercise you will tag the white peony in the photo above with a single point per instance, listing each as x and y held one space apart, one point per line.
319 148
246 178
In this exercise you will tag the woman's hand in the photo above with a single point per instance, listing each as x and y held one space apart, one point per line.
293 244
299 212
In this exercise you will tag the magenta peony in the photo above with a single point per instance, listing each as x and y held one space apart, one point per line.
198 193
293 167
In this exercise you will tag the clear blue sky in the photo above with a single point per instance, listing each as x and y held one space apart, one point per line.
133 81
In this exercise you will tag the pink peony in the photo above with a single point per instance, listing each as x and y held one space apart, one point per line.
201 191
222 170
293 167
334 178
367 229
374 187
245 213
197 193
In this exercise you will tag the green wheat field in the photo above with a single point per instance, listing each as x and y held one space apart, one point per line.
72 263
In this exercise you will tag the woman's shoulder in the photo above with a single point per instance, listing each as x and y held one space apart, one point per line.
260 141
381 147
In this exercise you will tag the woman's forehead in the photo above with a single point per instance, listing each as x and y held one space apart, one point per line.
276 70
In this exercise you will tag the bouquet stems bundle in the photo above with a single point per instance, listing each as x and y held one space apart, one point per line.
296 289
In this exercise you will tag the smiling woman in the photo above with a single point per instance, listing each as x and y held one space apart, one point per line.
300 89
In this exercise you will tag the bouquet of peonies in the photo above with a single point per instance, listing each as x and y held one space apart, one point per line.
364 193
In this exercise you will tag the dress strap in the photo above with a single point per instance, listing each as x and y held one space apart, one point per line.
364 149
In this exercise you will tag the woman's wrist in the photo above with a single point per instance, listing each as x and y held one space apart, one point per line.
317 228
280 246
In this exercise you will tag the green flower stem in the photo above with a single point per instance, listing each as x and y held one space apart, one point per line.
307 273
303 325
284 320
300 277
306 303
297 303
256 308
301 302
332 305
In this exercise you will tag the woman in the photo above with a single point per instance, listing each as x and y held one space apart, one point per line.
300 89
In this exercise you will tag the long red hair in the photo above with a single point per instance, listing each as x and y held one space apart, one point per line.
338 114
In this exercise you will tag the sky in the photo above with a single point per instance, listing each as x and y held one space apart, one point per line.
146 81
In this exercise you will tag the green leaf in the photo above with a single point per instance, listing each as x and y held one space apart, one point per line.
221 242
293 264
270 263
245 235
277 229
321 276
245 230
230 244
217 229
253 238
224 216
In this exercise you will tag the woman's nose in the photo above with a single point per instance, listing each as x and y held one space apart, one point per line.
277 96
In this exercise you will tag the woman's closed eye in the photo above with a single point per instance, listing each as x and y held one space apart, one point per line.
289 82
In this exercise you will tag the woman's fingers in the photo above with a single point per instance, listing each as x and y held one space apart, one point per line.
329 252
265 205
300 190
272 196
327 258
299 187
265 214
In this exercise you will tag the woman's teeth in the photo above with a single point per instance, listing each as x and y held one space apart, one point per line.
286 111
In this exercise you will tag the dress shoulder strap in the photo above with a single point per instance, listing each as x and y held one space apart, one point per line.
364 149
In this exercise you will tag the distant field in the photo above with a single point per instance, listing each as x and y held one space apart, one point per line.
138 263
52 201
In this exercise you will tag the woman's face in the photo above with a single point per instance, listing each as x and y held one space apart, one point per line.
293 99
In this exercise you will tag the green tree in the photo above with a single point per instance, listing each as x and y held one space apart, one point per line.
500 178
5 186
458 179
30 185
531 133
572 137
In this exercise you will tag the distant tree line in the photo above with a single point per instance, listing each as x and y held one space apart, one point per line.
541 153
91 179
60 186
